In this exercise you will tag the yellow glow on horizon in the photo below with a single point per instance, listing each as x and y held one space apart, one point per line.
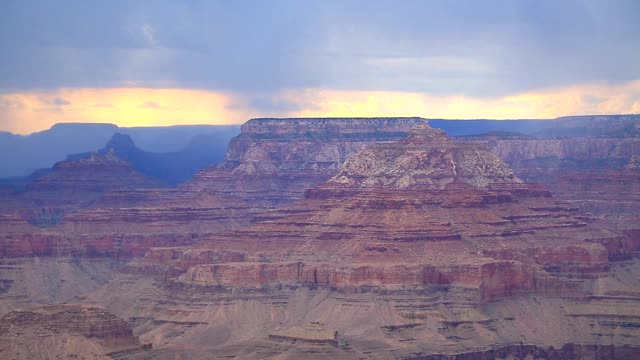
28 112
34 111
552 103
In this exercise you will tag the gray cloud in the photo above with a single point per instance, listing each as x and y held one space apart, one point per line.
274 104
60 102
475 48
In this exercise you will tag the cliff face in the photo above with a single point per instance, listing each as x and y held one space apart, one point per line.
64 331
409 202
271 163
88 321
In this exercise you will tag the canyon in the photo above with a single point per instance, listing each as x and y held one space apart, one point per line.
368 238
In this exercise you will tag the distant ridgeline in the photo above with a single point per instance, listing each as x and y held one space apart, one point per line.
206 144
173 167
568 126
173 154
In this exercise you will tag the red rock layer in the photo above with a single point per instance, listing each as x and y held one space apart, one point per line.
420 212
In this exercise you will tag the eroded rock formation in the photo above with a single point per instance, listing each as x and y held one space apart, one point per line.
64 331
390 214
406 243
420 246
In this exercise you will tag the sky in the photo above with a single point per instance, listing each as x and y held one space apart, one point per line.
162 62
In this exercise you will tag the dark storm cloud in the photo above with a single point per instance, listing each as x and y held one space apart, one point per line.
475 48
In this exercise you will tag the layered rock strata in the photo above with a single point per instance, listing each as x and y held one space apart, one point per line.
391 213
412 247
451 251
64 331
599 176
